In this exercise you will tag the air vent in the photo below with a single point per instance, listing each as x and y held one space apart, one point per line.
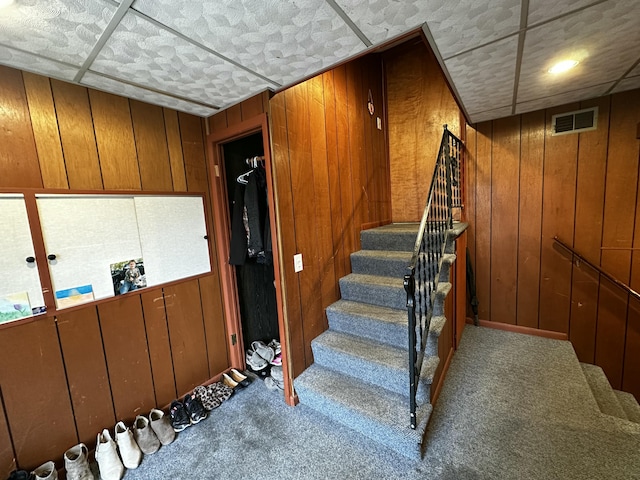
575 122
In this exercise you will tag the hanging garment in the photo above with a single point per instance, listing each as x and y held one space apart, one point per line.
238 247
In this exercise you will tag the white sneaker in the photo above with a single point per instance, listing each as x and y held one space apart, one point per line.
76 463
109 462
129 450
46 471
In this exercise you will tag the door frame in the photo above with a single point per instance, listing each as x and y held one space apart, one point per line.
222 231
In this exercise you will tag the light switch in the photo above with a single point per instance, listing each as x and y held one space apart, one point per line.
379 123
297 262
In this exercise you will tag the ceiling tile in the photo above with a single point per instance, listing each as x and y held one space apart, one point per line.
64 30
33 63
484 77
541 10
146 55
560 99
281 40
627 84
589 35
491 114
635 72
455 26
131 91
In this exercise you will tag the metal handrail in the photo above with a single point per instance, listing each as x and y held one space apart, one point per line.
610 277
445 193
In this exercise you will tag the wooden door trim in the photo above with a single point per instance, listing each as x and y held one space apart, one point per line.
222 227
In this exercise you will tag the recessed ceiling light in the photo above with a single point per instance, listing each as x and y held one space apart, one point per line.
563 66
5 3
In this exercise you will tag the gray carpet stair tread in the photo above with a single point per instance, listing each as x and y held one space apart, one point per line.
371 362
629 405
373 411
602 391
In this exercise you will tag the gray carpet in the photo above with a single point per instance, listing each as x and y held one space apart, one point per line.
512 407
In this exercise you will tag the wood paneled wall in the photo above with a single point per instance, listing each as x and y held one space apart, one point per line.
245 110
65 378
331 178
419 104
524 187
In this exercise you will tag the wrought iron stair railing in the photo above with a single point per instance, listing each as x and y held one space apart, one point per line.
421 279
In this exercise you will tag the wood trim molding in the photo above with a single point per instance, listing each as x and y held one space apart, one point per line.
443 375
380 223
520 329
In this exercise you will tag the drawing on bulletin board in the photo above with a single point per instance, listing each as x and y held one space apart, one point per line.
128 275
14 307
74 296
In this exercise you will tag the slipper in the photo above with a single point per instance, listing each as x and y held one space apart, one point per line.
272 384
265 352
255 361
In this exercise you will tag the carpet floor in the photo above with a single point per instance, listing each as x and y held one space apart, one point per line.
511 408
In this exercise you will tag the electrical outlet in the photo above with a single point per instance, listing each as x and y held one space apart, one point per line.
297 262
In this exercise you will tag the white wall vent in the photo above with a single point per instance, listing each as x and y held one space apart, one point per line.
575 122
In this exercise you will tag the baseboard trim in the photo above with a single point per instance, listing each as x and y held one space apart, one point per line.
443 375
380 223
520 329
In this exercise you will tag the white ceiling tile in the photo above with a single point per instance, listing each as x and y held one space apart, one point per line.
64 30
131 91
491 114
33 63
484 77
562 98
144 54
629 83
606 37
541 10
281 40
455 26
635 72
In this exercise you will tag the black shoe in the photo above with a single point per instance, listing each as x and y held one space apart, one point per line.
194 408
20 475
241 379
179 416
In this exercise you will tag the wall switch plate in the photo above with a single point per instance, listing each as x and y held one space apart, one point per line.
379 123
297 262
217 170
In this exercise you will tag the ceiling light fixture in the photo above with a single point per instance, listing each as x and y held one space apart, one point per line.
563 66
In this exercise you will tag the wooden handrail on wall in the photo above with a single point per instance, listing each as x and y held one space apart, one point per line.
620 284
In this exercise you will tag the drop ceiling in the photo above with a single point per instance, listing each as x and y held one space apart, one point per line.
203 56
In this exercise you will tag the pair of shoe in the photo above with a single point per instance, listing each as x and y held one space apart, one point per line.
235 379
212 395
260 355
187 413
275 381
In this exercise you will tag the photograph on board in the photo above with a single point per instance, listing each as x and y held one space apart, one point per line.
128 275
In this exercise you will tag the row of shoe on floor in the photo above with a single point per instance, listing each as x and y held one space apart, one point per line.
147 434
265 360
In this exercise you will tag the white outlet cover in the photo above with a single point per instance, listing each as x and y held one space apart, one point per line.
297 262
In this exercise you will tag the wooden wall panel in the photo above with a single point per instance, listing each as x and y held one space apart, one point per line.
419 104
7 455
127 353
326 174
121 364
35 393
115 140
584 189
558 212
151 146
155 319
530 218
216 335
174 143
505 174
84 361
45 131
187 335
18 155
77 135
590 187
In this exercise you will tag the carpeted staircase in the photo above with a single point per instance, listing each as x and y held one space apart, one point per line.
360 373
611 402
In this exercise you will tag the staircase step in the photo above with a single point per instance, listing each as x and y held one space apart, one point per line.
383 417
390 263
384 291
372 362
394 237
629 405
602 391
386 325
